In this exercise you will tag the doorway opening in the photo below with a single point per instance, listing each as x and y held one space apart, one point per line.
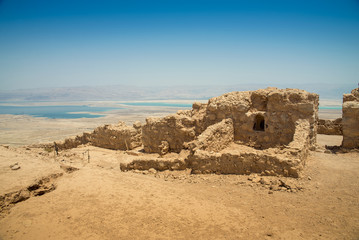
259 123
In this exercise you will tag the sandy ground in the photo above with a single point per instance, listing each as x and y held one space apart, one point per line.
98 201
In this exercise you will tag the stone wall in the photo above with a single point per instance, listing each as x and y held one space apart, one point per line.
265 118
262 119
215 138
168 134
240 159
117 137
330 127
351 119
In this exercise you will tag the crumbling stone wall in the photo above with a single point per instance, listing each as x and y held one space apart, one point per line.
117 137
268 131
330 127
74 142
215 138
265 118
351 119
162 135
240 159
262 119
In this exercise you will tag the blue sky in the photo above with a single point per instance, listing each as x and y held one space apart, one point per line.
74 43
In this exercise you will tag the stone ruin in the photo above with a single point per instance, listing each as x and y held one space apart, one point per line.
268 131
330 127
116 137
350 120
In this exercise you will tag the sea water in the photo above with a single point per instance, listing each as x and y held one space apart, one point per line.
77 111
56 112
158 104
85 111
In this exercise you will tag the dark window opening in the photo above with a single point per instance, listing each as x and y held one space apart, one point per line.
259 123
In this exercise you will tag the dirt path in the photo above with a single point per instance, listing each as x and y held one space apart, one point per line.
100 202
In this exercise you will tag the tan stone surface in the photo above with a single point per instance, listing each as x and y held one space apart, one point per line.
330 127
351 119
215 138
263 119
174 129
118 137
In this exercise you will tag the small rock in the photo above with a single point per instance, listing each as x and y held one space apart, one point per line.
137 124
327 151
270 192
264 181
15 166
284 184
145 172
309 178
256 179
188 171
152 170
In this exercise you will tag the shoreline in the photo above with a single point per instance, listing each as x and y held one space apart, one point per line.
20 130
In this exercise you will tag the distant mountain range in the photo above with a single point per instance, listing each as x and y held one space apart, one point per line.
132 93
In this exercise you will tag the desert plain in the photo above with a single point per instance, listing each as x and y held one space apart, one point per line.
82 193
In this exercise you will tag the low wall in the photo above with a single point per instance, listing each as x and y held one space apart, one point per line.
117 137
330 127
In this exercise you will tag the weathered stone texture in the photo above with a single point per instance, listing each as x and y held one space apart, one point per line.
117 137
215 138
74 142
330 127
276 110
159 164
351 119
262 119
174 129
240 159
243 161
270 131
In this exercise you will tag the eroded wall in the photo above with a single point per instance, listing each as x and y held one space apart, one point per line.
118 137
261 119
351 119
330 127
279 108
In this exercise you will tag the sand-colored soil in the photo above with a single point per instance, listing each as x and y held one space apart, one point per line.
100 202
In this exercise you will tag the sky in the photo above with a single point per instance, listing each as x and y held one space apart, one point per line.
64 43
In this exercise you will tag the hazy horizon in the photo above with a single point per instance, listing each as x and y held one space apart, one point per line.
137 93
48 44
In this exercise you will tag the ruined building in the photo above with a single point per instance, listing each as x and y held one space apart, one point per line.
268 131
351 119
